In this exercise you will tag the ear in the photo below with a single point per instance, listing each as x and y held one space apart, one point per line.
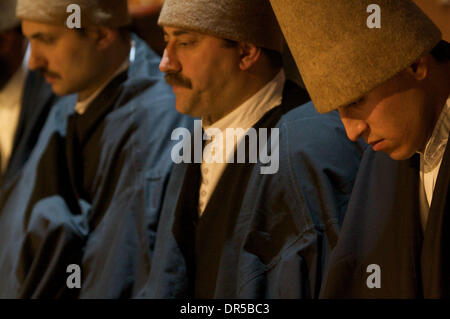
104 37
249 55
419 69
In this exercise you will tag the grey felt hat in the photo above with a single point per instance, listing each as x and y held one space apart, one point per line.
339 57
239 20
110 13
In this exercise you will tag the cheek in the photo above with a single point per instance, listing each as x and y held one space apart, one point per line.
201 74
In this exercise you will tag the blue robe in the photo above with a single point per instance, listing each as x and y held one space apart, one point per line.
90 194
37 100
260 236
383 228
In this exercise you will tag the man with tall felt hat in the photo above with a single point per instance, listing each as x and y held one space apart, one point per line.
391 85
25 98
89 195
233 229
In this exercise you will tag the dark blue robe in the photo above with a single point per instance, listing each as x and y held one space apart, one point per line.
261 236
383 227
37 100
90 194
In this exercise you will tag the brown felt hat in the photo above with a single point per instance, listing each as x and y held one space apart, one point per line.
108 13
339 57
8 18
239 20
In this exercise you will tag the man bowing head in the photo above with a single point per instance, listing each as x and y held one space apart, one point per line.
387 71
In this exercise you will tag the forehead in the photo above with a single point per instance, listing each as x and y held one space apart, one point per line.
176 32
32 29
171 31
394 87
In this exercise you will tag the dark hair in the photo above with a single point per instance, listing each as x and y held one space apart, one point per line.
275 58
441 52
18 29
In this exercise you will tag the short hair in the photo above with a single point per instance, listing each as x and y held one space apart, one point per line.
18 29
275 58
441 52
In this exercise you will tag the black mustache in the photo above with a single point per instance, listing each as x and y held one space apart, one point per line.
178 80
48 73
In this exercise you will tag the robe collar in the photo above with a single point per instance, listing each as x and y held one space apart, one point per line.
434 150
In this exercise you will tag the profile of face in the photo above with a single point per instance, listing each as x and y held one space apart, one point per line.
69 60
200 69
396 117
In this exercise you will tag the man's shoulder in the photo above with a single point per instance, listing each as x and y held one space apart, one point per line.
144 62
317 140
308 115
304 126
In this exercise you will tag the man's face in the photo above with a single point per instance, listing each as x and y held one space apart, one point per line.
200 70
66 58
393 118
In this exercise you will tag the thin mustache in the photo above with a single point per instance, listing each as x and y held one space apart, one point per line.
178 80
49 73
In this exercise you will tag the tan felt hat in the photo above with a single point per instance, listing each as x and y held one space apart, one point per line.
339 57
8 18
239 20
109 13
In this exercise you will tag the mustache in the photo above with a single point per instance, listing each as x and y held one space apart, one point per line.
178 80
45 72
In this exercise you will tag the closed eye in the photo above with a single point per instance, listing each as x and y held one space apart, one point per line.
44 38
186 43
356 103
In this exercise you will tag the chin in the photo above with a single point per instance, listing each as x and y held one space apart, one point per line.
182 109
185 108
401 154
57 90
61 91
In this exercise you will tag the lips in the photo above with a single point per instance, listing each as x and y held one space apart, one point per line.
50 79
377 145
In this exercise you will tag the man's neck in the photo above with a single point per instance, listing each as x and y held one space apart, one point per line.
86 94
252 85
107 76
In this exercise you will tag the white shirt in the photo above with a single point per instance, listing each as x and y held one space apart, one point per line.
10 108
245 116
431 159
83 105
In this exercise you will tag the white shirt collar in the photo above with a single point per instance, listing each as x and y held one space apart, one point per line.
252 110
435 148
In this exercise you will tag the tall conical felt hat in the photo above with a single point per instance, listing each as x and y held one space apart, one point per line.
110 13
239 20
339 57
8 18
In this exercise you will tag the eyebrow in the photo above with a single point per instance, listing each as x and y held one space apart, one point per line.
178 33
37 35
355 102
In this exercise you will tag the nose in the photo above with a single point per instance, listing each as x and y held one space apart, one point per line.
354 127
169 62
37 60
